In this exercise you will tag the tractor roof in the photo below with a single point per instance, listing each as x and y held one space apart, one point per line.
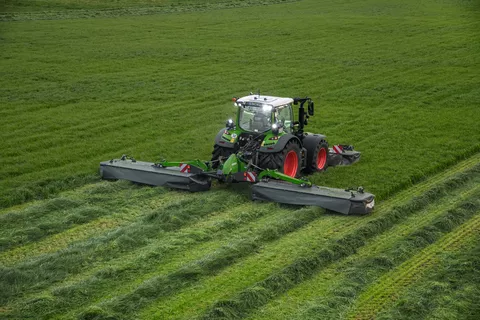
273 101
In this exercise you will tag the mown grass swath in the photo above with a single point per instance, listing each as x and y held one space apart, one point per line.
161 286
340 298
305 267
449 291
45 270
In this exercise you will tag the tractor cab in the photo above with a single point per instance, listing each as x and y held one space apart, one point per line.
263 113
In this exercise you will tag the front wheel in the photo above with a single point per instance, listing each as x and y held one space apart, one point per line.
287 161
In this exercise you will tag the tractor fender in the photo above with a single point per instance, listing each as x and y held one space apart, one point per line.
280 145
222 142
310 141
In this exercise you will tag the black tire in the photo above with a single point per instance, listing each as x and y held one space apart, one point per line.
276 161
220 152
313 157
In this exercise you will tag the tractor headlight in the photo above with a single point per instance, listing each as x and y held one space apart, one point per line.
230 124
275 129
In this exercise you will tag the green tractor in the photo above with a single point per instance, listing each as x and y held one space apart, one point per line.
280 141
266 148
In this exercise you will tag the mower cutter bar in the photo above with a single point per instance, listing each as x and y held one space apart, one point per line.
339 200
153 174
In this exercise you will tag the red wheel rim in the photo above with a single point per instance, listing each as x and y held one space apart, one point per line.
321 159
290 165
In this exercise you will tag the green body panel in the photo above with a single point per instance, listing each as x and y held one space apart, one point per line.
233 165
271 139
232 135
278 175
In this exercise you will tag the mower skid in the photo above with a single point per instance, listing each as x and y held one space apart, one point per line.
339 200
152 174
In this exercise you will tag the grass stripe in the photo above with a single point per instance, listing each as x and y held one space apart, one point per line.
57 266
162 286
305 294
336 294
303 268
390 286
307 244
166 254
81 233
449 291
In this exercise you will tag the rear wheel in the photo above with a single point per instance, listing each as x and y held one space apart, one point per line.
220 153
318 157
287 161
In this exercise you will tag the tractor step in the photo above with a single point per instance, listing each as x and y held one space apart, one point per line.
153 174
339 200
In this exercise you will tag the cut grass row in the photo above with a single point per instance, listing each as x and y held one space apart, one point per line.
392 285
36 273
331 292
336 227
149 260
97 279
32 223
448 291
319 245
342 295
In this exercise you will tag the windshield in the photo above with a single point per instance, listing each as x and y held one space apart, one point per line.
257 118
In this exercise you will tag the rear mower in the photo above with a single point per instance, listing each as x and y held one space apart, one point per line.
264 147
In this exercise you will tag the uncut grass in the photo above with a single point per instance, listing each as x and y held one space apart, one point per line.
303 296
305 267
165 254
343 294
276 260
44 270
117 66
163 6
449 291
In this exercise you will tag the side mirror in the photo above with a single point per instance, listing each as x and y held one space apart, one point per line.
311 109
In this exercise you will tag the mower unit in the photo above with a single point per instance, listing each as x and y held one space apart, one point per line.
265 147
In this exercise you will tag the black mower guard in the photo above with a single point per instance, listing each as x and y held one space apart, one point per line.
342 155
339 200
152 174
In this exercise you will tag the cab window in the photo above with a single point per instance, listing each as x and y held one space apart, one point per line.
285 115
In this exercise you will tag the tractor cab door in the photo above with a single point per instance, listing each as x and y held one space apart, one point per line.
284 114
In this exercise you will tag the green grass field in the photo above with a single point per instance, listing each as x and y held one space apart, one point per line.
85 81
